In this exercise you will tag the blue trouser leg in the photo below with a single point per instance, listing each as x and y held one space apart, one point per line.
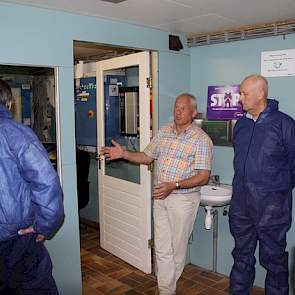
259 215
274 259
5 290
243 270
26 268
273 226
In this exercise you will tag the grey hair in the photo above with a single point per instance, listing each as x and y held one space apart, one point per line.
5 93
263 83
191 97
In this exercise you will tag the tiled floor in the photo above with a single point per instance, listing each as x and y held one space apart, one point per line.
104 273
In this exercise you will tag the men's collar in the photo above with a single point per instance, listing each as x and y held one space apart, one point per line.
272 105
188 128
249 116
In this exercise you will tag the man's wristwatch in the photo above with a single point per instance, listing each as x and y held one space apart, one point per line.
177 185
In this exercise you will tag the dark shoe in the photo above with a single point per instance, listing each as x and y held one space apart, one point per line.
5 290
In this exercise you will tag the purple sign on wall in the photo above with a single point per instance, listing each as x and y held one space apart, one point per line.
223 102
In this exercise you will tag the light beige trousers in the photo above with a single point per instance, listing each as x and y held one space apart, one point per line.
174 219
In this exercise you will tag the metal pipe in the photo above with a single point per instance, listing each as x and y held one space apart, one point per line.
215 239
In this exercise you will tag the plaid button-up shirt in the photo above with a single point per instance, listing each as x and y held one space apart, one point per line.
180 156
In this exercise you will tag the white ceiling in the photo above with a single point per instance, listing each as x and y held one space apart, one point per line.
189 17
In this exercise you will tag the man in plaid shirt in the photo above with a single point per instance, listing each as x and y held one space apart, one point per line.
183 154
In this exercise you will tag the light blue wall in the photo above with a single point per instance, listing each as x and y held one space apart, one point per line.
226 64
33 36
172 82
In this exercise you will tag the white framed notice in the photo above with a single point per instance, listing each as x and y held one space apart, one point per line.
278 63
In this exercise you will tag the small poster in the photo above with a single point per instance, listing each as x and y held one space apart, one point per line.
223 102
278 63
113 90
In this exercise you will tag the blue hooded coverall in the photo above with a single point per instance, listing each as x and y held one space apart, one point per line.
30 195
261 205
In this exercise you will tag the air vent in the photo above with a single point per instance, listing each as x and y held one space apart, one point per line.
113 1
251 32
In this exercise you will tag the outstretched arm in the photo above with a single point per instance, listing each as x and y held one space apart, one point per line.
117 152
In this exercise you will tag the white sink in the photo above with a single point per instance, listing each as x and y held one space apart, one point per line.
216 195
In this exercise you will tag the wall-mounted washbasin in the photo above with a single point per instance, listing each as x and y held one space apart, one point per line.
215 195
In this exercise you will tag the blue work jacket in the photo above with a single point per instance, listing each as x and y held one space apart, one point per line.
30 192
265 151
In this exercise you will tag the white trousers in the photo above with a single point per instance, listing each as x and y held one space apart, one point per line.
174 219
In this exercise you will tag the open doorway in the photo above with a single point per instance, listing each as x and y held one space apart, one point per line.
118 82
34 92
86 55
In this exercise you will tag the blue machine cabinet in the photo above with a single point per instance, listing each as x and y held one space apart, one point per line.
85 111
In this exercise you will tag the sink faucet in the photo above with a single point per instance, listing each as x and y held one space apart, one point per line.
215 179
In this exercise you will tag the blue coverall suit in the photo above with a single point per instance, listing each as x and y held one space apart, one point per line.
261 205
30 195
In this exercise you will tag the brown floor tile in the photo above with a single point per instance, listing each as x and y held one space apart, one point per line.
257 291
120 273
118 290
105 274
185 283
146 286
211 275
188 273
193 290
151 291
129 281
141 278
108 286
223 284
211 291
132 292
202 280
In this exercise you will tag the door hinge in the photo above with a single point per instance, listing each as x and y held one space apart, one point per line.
149 82
150 243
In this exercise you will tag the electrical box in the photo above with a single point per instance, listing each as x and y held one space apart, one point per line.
112 84
129 111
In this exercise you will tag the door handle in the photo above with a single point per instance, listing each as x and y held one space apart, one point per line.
99 159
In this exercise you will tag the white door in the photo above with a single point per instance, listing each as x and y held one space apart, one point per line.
125 188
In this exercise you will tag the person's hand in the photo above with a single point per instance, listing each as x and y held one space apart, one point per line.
30 230
162 191
114 152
